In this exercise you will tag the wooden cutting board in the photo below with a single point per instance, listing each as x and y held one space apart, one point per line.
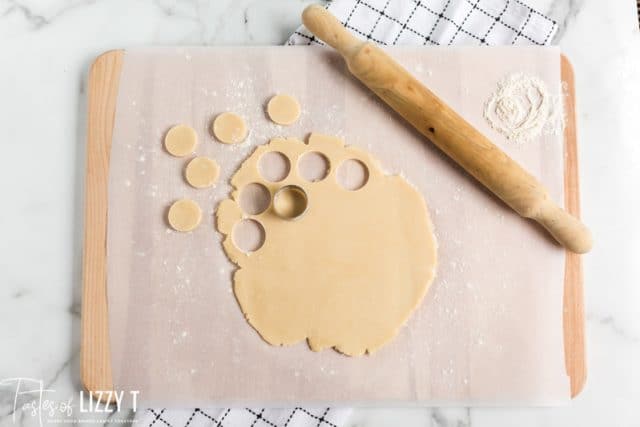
96 369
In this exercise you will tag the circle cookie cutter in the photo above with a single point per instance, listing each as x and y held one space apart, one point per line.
290 202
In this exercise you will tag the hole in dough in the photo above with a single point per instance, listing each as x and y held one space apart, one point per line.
254 198
283 109
274 166
184 215
229 128
248 235
313 166
352 174
202 172
181 140
290 202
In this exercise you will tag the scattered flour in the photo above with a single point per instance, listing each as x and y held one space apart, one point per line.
522 109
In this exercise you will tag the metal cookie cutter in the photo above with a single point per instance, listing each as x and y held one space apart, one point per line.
290 202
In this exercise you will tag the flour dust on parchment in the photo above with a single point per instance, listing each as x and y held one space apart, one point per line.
522 109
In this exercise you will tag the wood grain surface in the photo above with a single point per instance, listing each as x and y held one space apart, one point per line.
95 353
95 360
574 343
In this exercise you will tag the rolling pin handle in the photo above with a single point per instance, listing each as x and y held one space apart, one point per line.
328 29
568 230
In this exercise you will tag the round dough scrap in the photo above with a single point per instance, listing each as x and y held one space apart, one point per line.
202 172
283 109
181 140
184 215
229 128
345 275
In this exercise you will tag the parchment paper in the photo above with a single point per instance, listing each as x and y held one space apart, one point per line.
488 332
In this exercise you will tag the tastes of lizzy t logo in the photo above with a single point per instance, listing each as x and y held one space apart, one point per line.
32 398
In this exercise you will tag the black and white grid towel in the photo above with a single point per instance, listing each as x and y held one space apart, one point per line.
244 417
386 22
439 22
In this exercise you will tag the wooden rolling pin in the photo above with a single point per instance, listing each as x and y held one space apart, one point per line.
448 130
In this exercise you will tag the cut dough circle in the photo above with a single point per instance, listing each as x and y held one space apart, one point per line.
229 128
181 140
184 215
202 172
283 109
349 272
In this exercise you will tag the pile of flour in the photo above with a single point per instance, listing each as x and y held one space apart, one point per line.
522 109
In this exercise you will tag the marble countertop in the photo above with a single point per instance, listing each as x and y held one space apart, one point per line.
46 48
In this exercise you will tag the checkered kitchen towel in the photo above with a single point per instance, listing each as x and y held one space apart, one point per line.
386 22
439 22
244 417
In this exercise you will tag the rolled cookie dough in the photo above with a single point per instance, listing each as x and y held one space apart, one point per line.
349 272
202 172
283 109
184 215
229 128
181 140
